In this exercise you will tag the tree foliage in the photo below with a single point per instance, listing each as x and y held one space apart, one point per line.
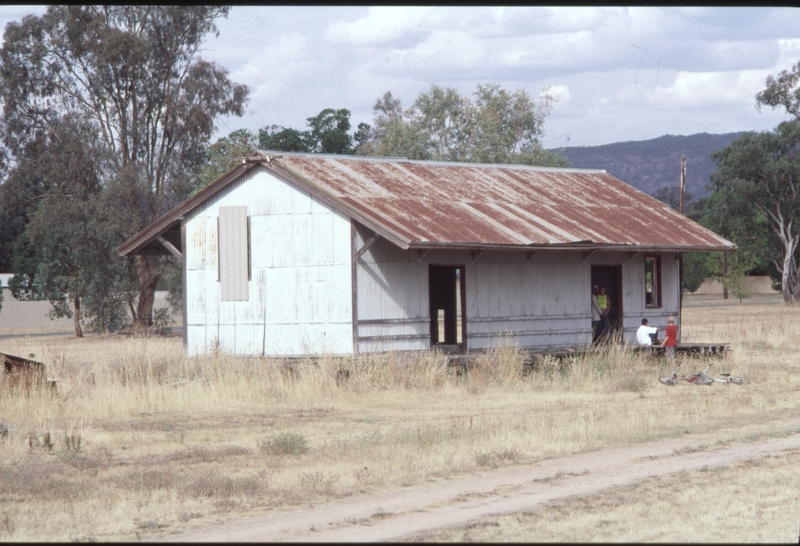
497 127
225 154
756 202
283 139
66 253
694 270
135 73
327 133
782 90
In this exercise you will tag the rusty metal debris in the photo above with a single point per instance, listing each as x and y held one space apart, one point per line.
23 374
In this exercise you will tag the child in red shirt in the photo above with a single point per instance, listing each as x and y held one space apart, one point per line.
670 337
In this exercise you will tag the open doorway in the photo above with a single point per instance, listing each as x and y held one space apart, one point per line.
610 276
447 294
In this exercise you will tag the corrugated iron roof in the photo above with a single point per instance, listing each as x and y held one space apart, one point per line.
424 204
463 204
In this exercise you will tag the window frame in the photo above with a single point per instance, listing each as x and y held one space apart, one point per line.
656 283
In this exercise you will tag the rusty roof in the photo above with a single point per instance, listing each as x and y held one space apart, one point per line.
426 204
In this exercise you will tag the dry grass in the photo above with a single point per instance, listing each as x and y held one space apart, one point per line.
168 442
754 501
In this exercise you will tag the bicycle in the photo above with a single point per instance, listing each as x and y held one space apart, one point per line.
728 378
702 378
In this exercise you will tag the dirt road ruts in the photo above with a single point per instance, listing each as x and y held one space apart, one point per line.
393 515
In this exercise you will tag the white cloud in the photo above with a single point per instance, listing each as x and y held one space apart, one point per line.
620 73
789 54
560 92
275 67
700 89
382 26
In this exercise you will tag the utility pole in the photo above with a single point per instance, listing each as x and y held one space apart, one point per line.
680 256
683 181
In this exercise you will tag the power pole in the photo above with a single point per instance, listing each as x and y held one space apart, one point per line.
680 258
683 181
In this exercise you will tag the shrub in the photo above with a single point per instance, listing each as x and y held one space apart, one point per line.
285 443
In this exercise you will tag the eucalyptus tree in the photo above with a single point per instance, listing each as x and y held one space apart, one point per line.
66 251
284 139
328 133
225 154
756 199
499 126
782 90
137 73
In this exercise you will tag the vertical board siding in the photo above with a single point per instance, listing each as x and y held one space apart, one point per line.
534 305
392 298
541 304
299 296
201 238
299 300
233 253
634 298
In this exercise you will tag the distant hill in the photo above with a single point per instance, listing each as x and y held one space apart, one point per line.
649 165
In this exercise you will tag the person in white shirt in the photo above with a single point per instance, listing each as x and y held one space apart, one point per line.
644 332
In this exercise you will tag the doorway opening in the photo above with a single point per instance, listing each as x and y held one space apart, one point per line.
610 276
447 297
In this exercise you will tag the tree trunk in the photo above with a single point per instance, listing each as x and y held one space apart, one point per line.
725 275
76 315
790 287
148 269
132 310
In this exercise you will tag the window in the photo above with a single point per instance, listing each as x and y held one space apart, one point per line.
652 281
233 246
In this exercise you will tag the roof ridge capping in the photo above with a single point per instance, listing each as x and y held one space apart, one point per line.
274 154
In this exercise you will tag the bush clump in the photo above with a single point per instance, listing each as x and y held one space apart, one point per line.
285 443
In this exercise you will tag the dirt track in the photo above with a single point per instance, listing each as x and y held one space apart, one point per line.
400 514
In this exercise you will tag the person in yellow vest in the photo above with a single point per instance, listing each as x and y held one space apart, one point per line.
605 307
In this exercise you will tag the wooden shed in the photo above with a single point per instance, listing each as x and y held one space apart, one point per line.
299 254
23 374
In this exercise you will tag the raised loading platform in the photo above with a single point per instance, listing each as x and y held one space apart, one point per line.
533 356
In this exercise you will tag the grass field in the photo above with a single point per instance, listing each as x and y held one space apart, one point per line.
141 440
756 501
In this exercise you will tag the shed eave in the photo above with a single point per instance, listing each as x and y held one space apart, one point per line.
428 245
175 216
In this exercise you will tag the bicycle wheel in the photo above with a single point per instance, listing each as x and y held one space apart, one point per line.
668 380
739 380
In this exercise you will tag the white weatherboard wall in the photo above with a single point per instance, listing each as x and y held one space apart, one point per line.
299 295
633 290
544 303
392 292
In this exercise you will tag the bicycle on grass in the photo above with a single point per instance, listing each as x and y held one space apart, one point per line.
702 378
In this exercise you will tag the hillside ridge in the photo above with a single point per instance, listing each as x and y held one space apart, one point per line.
649 165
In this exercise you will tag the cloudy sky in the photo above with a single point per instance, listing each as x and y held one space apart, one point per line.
619 73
